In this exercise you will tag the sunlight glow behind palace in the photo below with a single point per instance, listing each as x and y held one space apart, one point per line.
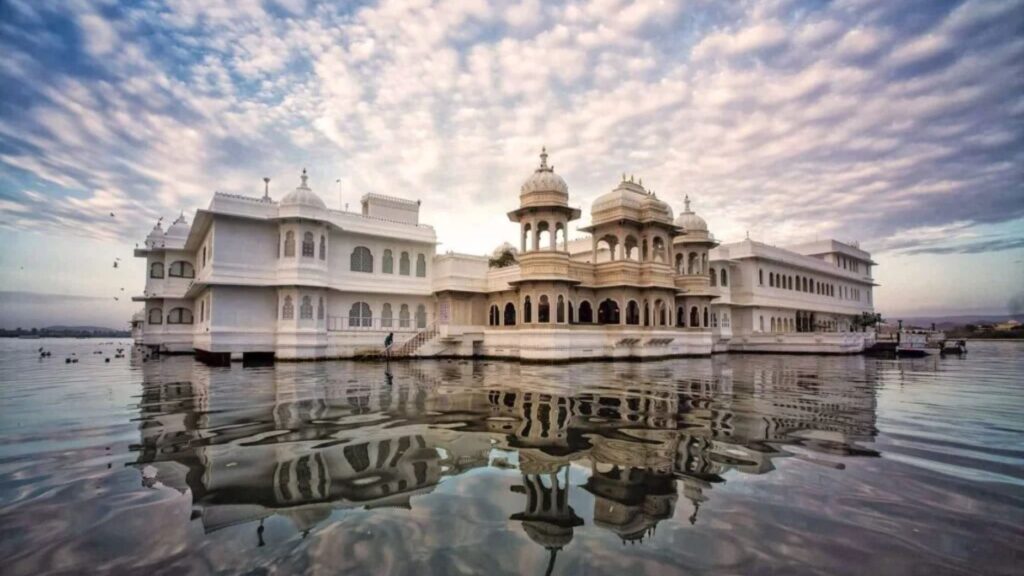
297 280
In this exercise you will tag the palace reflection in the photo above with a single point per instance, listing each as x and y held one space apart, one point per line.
304 440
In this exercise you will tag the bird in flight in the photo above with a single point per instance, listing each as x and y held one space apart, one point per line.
111 214
115 263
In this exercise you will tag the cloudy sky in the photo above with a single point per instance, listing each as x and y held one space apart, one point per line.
898 124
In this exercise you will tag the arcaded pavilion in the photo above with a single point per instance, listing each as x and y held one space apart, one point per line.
294 279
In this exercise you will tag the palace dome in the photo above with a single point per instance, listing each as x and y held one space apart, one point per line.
689 220
629 199
544 179
156 236
303 196
179 229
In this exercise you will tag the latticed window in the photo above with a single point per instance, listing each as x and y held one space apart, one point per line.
306 309
307 245
288 309
403 316
403 264
421 265
323 247
362 259
359 315
388 266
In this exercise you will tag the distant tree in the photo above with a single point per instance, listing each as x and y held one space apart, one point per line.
503 256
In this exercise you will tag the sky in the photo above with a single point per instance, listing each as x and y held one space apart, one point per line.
897 124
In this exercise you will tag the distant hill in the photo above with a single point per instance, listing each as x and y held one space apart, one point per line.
60 328
946 322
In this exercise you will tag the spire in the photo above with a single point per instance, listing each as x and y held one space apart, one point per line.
686 203
544 158
304 179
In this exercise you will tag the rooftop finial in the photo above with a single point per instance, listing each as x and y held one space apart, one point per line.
686 202
266 187
544 158
304 178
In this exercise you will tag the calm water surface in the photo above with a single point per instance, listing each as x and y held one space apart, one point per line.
731 464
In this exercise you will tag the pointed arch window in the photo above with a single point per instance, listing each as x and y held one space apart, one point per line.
724 278
560 310
421 316
543 310
362 259
307 245
288 309
386 317
306 308
403 316
421 265
403 264
156 316
289 244
633 313
527 311
388 264
586 313
359 315
510 314
492 317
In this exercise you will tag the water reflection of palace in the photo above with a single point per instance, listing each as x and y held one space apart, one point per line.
303 440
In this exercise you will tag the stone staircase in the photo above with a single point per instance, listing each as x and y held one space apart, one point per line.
410 346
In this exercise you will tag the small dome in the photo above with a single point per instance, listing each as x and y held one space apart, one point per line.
689 220
544 179
156 236
627 194
303 196
179 229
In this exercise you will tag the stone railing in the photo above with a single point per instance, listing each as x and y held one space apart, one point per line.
543 264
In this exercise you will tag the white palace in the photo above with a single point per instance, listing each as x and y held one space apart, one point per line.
296 280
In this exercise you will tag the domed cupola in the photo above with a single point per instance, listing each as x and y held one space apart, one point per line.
156 236
544 186
690 221
630 201
303 196
179 229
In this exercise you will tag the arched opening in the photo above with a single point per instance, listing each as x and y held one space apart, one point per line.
323 247
388 263
288 309
543 310
724 278
706 324
156 270
773 323
359 315
694 317
179 316
156 316
679 264
421 266
308 248
525 242
527 310
560 310
421 316
681 317
362 259
306 308
510 314
289 244
647 313
492 318
632 251
658 246
403 316
543 237
181 269
403 264
572 313
660 312
714 278
644 252
560 240
693 264
586 313
632 313
608 312
387 318
771 280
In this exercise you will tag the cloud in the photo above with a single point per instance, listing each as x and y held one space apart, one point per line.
786 119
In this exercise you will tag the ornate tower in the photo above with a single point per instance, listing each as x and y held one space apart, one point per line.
691 268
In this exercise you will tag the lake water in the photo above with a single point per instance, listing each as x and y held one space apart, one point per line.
735 464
